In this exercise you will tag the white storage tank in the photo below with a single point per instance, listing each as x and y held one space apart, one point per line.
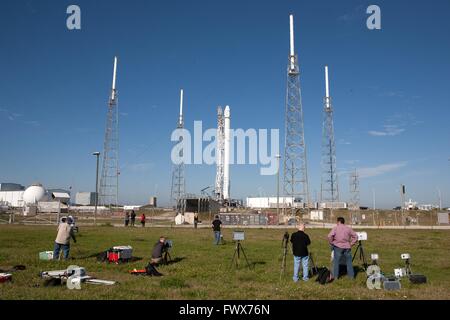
34 193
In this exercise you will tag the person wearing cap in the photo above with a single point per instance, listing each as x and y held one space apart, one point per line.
300 242
62 241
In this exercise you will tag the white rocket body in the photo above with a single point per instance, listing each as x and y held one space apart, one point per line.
226 160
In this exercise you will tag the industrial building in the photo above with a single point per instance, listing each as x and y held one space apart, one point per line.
16 196
85 198
11 194
198 204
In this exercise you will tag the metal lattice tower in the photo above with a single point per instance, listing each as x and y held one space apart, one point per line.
178 181
220 154
295 166
109 181
354 190
329 190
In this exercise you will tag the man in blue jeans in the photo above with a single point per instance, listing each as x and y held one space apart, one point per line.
62 240
216 228
342 238
300 242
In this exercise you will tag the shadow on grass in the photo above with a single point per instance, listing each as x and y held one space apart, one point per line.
356 270
174 260
256 263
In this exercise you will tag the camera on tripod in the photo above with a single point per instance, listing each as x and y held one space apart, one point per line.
238 235
405 256
285 240
362 236
168 244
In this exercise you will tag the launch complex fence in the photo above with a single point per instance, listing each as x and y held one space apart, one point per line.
166 217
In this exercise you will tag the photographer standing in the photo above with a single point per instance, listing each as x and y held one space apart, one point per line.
216 228
300 242
342 238
65 232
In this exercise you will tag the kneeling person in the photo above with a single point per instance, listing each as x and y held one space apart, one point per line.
158 251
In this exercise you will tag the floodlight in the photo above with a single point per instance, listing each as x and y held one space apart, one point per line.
374 256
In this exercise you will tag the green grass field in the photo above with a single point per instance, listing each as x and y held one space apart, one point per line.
205 272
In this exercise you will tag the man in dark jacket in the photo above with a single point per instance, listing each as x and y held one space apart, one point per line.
158 250
216 228
133 218
300 242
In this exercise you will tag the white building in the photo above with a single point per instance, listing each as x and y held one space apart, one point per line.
12 198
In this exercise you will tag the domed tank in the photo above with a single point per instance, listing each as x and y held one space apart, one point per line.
34 193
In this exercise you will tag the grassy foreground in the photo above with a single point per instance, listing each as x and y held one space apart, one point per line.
205 272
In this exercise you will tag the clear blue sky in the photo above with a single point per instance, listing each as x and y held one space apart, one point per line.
390 90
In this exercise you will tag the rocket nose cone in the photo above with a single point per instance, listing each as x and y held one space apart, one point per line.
227 111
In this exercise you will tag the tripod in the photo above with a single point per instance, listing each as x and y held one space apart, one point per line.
362 256
237 255
407 268
313 268
284 245
167 258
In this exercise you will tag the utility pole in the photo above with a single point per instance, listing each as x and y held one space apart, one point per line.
402 196
278 184
97 154
373 198
440 198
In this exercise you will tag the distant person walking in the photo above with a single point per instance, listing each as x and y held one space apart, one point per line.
143 220
342 238
195 220
132 218
300 242
62 240
127 218
216 228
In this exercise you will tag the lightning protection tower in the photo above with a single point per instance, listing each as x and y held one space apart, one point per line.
109 181
178 180
220 154
354 190
329 191
295 166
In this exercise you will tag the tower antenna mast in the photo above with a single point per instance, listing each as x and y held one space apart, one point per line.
295 165
109 182
329 190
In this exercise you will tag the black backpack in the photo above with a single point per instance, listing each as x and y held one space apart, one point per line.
323 275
